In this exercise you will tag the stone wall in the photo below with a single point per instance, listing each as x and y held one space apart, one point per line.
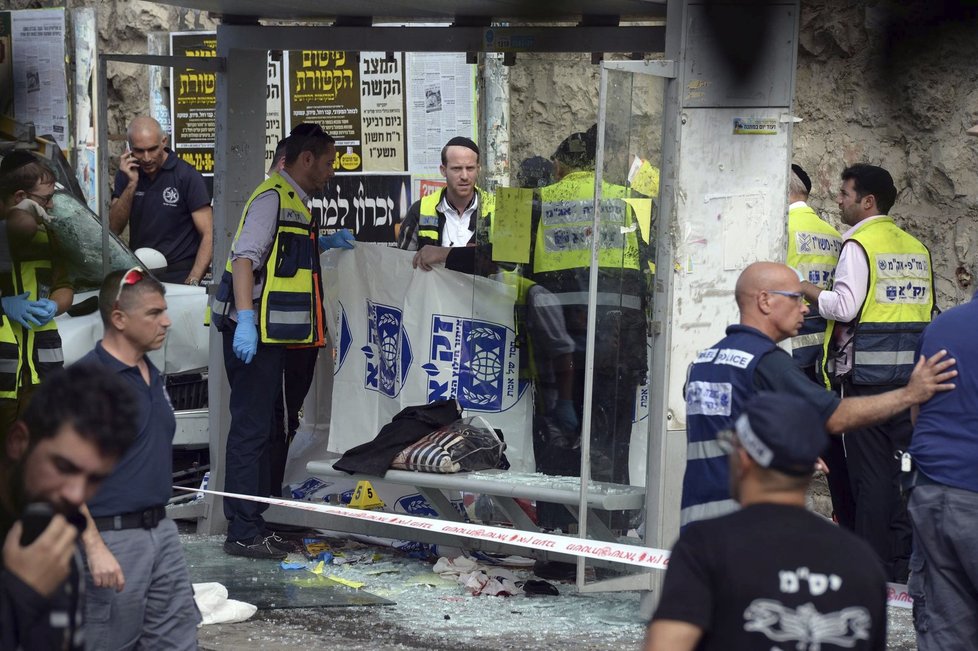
890 83
894 84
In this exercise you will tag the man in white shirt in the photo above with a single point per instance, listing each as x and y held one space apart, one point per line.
436 224
881 300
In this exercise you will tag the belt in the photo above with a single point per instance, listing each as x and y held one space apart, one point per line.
147 519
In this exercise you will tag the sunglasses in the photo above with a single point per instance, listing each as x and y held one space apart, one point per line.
130 278
43 199
798 296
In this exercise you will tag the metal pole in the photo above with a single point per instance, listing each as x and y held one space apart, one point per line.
101 126
592 319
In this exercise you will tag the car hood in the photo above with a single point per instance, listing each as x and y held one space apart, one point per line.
185 349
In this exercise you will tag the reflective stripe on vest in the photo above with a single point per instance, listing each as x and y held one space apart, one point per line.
813 249
431 223
9 360
609 299
291 296
40 347
721 381
898 305
563 237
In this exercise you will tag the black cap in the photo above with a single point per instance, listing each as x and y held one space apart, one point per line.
575 151
782 432
16 159
805 179
535 172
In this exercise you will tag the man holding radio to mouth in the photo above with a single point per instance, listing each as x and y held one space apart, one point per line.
165 202
79 423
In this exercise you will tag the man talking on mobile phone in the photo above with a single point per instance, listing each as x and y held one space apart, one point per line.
165 202
78 424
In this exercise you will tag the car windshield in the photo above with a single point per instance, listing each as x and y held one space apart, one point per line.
78 233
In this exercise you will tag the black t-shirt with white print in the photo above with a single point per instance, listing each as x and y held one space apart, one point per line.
772 577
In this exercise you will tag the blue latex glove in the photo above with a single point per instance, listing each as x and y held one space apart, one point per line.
245 343
49 308
565 415
22 310
341 239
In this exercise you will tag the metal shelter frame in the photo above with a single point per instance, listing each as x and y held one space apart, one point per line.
707 171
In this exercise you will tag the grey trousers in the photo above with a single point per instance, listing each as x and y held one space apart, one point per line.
156 610
944 567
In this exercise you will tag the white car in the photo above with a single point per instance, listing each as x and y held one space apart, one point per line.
182 359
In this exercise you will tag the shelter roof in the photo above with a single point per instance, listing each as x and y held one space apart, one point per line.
460 11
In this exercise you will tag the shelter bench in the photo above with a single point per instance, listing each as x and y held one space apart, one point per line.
505 487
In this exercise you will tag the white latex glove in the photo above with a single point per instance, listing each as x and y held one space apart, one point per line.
34 208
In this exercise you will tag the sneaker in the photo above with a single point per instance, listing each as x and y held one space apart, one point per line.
278 543
257 548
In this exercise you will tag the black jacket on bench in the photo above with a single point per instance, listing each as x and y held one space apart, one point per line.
409 426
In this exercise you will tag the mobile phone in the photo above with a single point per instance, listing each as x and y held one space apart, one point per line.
35 519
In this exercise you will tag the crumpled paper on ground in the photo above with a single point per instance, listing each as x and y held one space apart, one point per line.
478 579
215 607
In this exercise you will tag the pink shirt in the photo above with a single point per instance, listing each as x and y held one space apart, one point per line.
843 302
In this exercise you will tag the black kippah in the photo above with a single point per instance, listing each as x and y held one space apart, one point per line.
805 179
462 141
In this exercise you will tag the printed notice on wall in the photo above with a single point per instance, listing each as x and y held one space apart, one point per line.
324 88
382 112
40 87
441 105
273 108
194 101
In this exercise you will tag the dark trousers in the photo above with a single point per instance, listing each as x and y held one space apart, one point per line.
255 388
944 583
874 473
840 485
298 368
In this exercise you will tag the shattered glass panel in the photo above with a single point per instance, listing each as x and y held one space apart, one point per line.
265 584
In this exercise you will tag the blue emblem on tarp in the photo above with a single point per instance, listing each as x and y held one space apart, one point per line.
388 350
476 362
345 340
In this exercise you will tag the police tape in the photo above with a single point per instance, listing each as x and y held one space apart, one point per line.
647 557
898 596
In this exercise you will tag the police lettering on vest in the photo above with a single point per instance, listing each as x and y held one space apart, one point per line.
720 382
898 305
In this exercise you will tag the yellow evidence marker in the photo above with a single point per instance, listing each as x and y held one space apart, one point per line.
365 497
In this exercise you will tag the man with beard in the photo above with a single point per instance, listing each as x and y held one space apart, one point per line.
79 422
881 300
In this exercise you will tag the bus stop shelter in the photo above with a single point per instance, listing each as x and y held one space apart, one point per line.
726 72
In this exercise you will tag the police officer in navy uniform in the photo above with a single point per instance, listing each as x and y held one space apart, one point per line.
164 201
723 377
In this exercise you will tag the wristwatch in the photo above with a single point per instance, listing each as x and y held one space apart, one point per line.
194 282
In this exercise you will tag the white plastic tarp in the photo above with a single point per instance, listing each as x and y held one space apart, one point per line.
408 337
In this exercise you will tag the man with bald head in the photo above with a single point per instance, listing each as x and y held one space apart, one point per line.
165 202
747 360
